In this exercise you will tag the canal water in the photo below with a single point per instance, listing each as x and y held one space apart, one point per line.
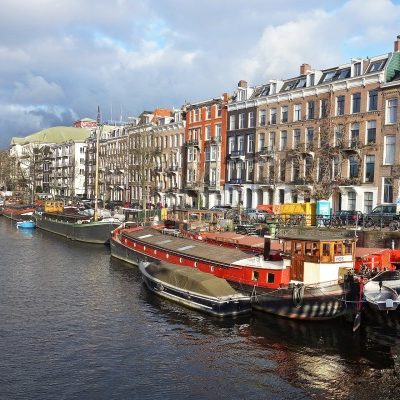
76 324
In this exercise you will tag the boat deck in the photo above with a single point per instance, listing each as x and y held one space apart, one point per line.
201 250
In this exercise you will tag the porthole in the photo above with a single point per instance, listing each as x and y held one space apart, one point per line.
167 256
212 268
195 264
180 260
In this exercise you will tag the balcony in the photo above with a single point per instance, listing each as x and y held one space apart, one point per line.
266 181
173 189
351 146
355 181
305 148
236 181
172 169
267 152
237 155
192 186
192 143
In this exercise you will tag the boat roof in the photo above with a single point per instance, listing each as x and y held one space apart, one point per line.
315 236
190 279
189 247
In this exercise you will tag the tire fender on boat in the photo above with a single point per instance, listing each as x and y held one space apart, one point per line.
298 295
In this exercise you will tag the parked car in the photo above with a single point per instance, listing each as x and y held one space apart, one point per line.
256 215
349 217
382 215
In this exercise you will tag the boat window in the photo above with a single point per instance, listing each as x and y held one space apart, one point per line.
308 248
326 249
255 276
298 248
338 248
270 278
348 247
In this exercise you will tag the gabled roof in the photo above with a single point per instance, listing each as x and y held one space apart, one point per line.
56 134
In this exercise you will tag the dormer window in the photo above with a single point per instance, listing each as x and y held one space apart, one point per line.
357 69
376 65
329 76
242 94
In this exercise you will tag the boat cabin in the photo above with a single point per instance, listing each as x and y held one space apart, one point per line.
315 260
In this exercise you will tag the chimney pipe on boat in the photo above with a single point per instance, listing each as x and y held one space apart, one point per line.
267 247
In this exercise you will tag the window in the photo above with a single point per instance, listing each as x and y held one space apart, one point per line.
391 111
261 141
281 196
371 131
324 108
372 100
310 138
339 135
336 168
272 140
368 201
354 134
387 190
357 69
231 144
283 142
390 148
208 132
196 115
356 103
241 121
297 112
208 112
231 122
310 110
218 130
369 168
251 119
263 117
219 110
270 277
240 146
340 105
282 169
295 169
296 138
284 114
250 143
351 200
353 162
249 170
273 116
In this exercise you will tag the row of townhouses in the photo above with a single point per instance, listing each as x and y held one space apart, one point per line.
324 134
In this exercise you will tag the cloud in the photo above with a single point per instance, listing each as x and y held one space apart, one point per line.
59 60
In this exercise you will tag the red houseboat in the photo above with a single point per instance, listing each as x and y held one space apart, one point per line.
309 280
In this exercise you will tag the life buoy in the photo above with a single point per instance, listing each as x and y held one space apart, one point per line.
298 295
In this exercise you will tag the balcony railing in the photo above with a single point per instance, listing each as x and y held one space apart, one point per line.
267 152
236 181
236 154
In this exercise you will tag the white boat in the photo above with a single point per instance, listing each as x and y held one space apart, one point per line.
382 291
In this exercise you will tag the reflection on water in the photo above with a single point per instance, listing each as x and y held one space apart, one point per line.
77 324
324 359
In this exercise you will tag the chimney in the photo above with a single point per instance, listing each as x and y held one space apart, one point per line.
267 247
242 84
397 44
304 68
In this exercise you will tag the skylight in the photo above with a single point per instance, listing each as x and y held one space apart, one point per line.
186 248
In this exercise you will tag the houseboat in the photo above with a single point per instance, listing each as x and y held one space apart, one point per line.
194 289
309 280
74 226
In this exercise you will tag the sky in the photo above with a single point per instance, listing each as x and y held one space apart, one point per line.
61 59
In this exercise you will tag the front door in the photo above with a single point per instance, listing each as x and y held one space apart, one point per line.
297 268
